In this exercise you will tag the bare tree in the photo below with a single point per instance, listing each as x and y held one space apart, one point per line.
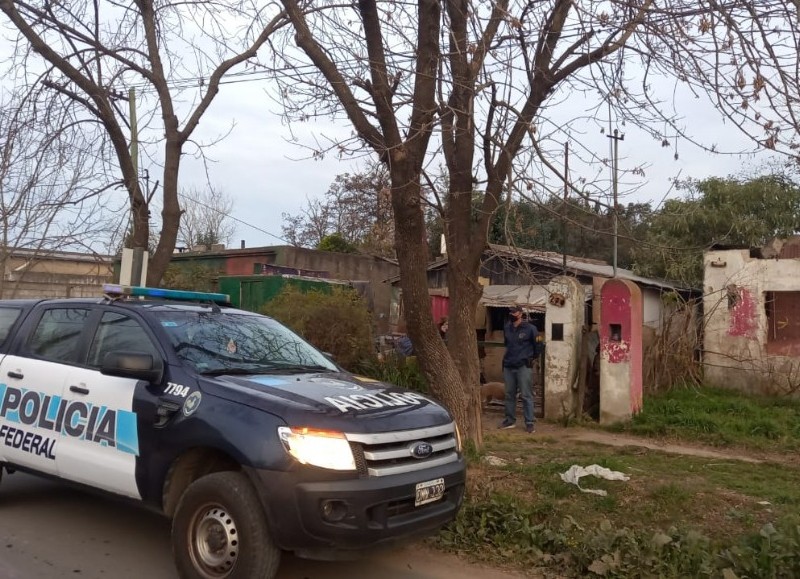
309 227
89 54
356 206
742 56
471 87
206 218
49 199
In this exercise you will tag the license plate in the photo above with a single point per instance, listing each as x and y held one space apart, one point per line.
429 491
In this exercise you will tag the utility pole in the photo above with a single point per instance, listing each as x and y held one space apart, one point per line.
138 265
563 216
133 270
616 137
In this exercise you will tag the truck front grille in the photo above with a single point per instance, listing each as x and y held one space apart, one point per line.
389 453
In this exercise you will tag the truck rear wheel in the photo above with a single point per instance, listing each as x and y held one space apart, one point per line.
219 531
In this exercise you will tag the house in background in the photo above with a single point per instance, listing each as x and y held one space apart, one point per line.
31 273
512 276
751 304
367 272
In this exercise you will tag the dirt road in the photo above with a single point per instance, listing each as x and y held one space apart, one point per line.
49 530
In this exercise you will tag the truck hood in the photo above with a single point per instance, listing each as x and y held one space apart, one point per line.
331 400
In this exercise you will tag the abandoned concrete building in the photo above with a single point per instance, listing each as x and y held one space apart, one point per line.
752 318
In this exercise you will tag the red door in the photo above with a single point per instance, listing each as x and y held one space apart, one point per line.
440 306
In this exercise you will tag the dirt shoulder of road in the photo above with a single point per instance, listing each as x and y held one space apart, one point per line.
591 435
669 446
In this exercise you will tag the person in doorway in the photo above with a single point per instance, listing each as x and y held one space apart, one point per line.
443 327
519 337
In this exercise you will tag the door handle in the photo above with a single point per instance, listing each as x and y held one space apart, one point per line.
166 409
79 389
16 375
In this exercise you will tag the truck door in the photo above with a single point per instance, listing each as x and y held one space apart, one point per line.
33 415
106 452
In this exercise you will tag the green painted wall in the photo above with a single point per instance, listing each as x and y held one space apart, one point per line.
251 292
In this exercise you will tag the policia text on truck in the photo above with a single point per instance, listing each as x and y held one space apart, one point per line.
248 437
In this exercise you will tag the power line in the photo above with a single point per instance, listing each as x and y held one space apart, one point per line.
231 217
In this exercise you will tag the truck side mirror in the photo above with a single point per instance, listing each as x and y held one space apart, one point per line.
138 365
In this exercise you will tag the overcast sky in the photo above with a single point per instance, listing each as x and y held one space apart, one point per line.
268 175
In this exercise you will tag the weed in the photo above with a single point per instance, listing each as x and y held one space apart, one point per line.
510 529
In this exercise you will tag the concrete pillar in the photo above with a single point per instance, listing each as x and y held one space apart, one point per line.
564 320
620 351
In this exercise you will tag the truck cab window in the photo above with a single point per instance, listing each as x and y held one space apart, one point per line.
7 318
117 332
56 336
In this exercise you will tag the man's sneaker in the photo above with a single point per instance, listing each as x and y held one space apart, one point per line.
506 424
530 428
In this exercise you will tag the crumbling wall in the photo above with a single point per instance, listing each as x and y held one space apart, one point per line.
751 338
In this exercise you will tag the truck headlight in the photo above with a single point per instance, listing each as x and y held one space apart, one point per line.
320 448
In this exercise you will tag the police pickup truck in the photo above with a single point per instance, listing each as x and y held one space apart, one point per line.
250 439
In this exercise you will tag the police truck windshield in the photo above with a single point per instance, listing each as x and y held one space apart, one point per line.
222 343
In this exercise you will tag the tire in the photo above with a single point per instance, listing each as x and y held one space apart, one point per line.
219 531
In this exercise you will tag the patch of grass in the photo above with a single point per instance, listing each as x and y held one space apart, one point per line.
665 489
719 418
676 516
671 497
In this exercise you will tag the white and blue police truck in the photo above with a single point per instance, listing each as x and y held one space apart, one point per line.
249 438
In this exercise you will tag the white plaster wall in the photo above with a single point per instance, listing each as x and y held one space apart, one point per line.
653 308
741 361
561 358
615 401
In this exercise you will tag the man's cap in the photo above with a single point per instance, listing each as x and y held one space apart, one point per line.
515 309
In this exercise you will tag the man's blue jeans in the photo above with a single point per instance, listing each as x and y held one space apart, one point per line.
519 380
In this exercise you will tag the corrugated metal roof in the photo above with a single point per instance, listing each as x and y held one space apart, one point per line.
575 266
532 297
578 265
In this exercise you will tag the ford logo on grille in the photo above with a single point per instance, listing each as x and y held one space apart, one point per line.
421 449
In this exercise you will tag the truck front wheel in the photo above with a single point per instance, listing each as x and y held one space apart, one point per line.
219 531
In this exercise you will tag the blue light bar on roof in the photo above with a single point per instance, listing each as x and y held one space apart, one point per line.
166 294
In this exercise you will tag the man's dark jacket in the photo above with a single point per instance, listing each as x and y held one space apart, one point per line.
520 344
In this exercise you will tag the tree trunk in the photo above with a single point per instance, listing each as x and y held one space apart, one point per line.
462 344
170 215
437 364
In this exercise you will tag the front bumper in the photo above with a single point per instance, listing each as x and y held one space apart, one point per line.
380 510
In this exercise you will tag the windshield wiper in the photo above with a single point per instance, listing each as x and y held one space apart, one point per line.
235 371
271 368
278 367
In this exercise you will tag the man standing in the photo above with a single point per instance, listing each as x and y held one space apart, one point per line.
520 341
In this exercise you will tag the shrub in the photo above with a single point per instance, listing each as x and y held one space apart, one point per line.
192 277
338 322
403 372
335 242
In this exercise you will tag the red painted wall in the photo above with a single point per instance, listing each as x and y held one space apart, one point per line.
744 322
621 304
440 306
242 265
